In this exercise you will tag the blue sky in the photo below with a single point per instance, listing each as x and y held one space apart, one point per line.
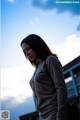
57 23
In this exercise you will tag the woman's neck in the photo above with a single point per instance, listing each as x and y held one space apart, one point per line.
38 61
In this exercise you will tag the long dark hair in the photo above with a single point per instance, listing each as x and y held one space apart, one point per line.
38 45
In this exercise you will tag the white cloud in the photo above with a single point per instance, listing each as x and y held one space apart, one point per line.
15 82
68 50
34 21
11 1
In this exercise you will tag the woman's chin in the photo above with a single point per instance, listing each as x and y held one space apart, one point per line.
32 60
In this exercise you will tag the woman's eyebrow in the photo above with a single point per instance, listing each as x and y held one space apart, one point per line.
26 48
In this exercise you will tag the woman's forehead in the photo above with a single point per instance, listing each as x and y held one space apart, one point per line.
25 45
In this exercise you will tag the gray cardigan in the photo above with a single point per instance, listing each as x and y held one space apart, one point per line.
49 88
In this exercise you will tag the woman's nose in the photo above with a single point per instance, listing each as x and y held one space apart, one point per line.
27 53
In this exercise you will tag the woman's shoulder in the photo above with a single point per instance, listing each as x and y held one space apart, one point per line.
51 58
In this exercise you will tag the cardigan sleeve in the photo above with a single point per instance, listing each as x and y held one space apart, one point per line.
55 71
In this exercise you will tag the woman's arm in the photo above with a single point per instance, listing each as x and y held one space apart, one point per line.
55 71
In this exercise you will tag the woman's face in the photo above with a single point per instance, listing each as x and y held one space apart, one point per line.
29 53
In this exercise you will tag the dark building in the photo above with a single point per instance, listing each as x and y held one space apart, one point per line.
30 116
72 78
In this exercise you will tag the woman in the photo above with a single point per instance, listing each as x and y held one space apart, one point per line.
47 82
